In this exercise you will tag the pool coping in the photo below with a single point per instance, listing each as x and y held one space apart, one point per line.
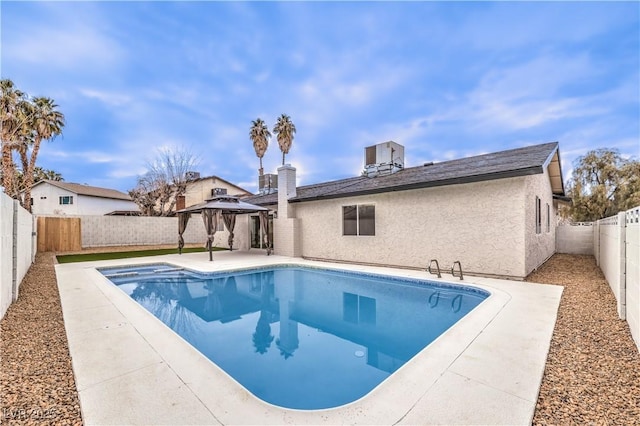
132 369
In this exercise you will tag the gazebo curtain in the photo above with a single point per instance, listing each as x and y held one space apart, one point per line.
183 219
210 218
230 222
264 224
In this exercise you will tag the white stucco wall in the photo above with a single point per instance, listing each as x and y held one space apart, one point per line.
481 224
46 201
540 246
98 206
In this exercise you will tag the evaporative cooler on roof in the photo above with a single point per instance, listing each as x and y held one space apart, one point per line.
383 159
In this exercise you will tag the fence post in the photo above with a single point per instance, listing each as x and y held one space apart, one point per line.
14 254
622 238
596 241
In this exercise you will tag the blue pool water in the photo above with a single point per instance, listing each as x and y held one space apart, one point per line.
296 337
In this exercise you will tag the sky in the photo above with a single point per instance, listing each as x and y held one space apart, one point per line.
445 80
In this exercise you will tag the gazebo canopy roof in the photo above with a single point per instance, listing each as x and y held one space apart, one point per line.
226 203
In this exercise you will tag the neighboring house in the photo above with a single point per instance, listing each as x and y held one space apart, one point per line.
200 189
495 213
64 198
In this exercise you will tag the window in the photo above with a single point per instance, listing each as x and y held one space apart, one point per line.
220 224
358 309
538 215
67 199
548 218
359 220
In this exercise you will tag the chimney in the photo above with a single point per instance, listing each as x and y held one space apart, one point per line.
286 190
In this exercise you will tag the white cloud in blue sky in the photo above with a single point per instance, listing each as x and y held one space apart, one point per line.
446 80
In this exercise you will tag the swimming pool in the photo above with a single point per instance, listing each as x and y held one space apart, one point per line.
300 337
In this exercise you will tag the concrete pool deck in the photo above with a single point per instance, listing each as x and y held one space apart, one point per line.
132 369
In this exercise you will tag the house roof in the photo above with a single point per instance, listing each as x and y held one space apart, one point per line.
504 164
90 191
220 179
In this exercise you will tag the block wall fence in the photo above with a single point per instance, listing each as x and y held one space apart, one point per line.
17 249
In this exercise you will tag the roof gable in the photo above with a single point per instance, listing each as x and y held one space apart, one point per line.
90 191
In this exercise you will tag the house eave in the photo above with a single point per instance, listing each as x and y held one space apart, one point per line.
534 170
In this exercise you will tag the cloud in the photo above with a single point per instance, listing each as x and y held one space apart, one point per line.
74 42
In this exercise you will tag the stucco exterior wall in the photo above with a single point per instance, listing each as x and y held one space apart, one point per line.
99 206
481 224
200 190
46 201
539 247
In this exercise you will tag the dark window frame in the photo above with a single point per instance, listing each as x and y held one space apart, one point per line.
538 208
359 220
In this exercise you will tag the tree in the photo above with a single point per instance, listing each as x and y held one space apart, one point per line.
603 183
46 122
13 118
285 129
157 190
39 174
259 135
24 124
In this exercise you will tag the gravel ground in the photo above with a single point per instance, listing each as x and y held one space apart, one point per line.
36 380
592 374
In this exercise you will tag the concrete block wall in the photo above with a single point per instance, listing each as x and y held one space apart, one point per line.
17 249
104 231
575 239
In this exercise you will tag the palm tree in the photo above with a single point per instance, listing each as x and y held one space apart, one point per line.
285 129
46 123
260 135
12 126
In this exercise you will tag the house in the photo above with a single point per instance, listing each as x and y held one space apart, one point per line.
495 213
199 189
51 197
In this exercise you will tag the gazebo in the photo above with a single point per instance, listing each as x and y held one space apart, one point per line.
227 207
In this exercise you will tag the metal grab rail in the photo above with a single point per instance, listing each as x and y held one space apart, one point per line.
459 269
437 268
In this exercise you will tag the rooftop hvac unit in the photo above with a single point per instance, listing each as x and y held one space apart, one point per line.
192 175
216 192
383 159
267 184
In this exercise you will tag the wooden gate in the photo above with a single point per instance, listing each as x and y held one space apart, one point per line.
59 234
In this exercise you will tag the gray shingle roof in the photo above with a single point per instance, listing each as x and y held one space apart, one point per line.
511 163
91 191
